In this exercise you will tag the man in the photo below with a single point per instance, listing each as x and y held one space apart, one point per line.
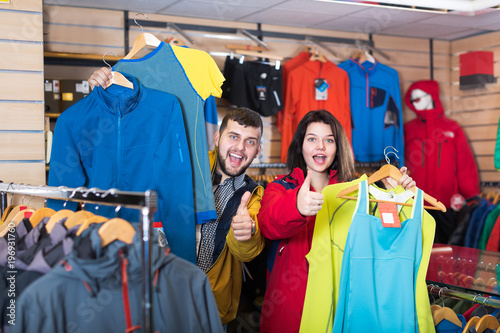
234 238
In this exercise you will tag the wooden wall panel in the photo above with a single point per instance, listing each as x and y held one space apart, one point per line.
481 148
21 56
21 26
475 43
62 15
489 117
490 176
22 146
26 173
25 5
21 116
21 86
486 163
84 35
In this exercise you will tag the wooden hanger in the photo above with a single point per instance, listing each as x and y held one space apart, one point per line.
117 77
57 217
15 210
77 218
5 227
245 47
259 54
317 56
496 199
487 322
6 213
116 229
39 214
143 40
491 195
448 314
89 221
389 170
470 324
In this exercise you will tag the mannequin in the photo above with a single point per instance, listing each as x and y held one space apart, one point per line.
438 155
421 100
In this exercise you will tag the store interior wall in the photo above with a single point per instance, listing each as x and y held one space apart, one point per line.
95 31
22 148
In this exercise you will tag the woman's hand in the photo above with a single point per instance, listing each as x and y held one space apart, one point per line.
406 181
100 77
309 203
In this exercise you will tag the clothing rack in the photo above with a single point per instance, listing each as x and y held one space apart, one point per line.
268 166
460 295
147 202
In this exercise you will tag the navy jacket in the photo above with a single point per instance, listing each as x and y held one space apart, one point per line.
132 140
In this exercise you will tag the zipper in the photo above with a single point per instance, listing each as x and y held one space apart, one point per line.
423 153
179 146
367 91
439 155
118 150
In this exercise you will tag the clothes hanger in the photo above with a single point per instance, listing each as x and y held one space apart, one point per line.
496 199
389 170
77 218
57 217
487 322
9 208
143 40
245 47
5 227
116 229
117 77
89 221
470 324
445 313
317 56
39 214
259 54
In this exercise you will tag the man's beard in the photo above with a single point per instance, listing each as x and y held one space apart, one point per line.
222 164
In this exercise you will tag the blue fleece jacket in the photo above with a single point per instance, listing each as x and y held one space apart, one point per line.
132 140
376 110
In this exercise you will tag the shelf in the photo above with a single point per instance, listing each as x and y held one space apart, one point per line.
52 115
77 59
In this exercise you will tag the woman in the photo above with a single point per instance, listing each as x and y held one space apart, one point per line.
319 155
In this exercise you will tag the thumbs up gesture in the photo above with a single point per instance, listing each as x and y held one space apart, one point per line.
309 203
243 223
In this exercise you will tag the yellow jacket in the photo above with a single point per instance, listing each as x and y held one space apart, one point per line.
226 274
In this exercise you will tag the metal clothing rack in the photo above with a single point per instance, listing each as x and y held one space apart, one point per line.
460 295
147 202
268 166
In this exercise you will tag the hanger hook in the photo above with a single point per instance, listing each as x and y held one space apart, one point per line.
104 58
28 204
439 294
117 210
485 301
387 154
135 20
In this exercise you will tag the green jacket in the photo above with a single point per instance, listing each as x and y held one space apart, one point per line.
226 274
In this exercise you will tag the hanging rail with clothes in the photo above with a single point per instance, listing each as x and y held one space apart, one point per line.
147 202
460 295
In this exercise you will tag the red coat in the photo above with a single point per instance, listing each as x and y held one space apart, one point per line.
437 152
280 220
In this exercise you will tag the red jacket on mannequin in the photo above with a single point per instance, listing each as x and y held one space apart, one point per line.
437 151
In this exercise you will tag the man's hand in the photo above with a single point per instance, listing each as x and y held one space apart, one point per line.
100 77
242 223
309 203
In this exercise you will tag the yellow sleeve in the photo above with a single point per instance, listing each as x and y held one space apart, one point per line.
248 250
201 70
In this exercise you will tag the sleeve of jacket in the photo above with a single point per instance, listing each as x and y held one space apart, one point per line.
66 168
278 215
467 174
248 250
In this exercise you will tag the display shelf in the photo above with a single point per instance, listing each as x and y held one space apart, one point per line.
464 268
75 59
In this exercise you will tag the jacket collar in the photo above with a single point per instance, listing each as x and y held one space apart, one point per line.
366 67
119 100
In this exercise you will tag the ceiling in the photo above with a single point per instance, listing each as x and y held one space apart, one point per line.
330 15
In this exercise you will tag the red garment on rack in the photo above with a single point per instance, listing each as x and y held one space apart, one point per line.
289 66
301 98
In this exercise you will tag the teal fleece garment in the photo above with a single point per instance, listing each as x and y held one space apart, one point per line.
132 140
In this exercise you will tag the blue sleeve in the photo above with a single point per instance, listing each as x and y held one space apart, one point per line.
174 179
65 164
211 121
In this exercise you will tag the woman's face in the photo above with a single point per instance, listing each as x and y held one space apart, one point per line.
319 147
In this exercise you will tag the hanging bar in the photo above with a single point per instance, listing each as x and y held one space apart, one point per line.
320 44
146 201
460 295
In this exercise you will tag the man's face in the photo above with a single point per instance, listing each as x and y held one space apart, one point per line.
238 146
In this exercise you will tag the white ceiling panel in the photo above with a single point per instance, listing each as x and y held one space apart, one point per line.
384 13
422 30
464 20
319 7
287 18
147 6
461 34
345 23
208 10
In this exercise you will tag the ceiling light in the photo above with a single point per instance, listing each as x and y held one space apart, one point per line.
470 6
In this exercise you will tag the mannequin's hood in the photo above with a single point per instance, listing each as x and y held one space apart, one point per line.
431 87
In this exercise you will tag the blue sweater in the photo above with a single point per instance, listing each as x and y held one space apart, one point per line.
375 110
132 140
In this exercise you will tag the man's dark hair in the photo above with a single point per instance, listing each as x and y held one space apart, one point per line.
244 117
